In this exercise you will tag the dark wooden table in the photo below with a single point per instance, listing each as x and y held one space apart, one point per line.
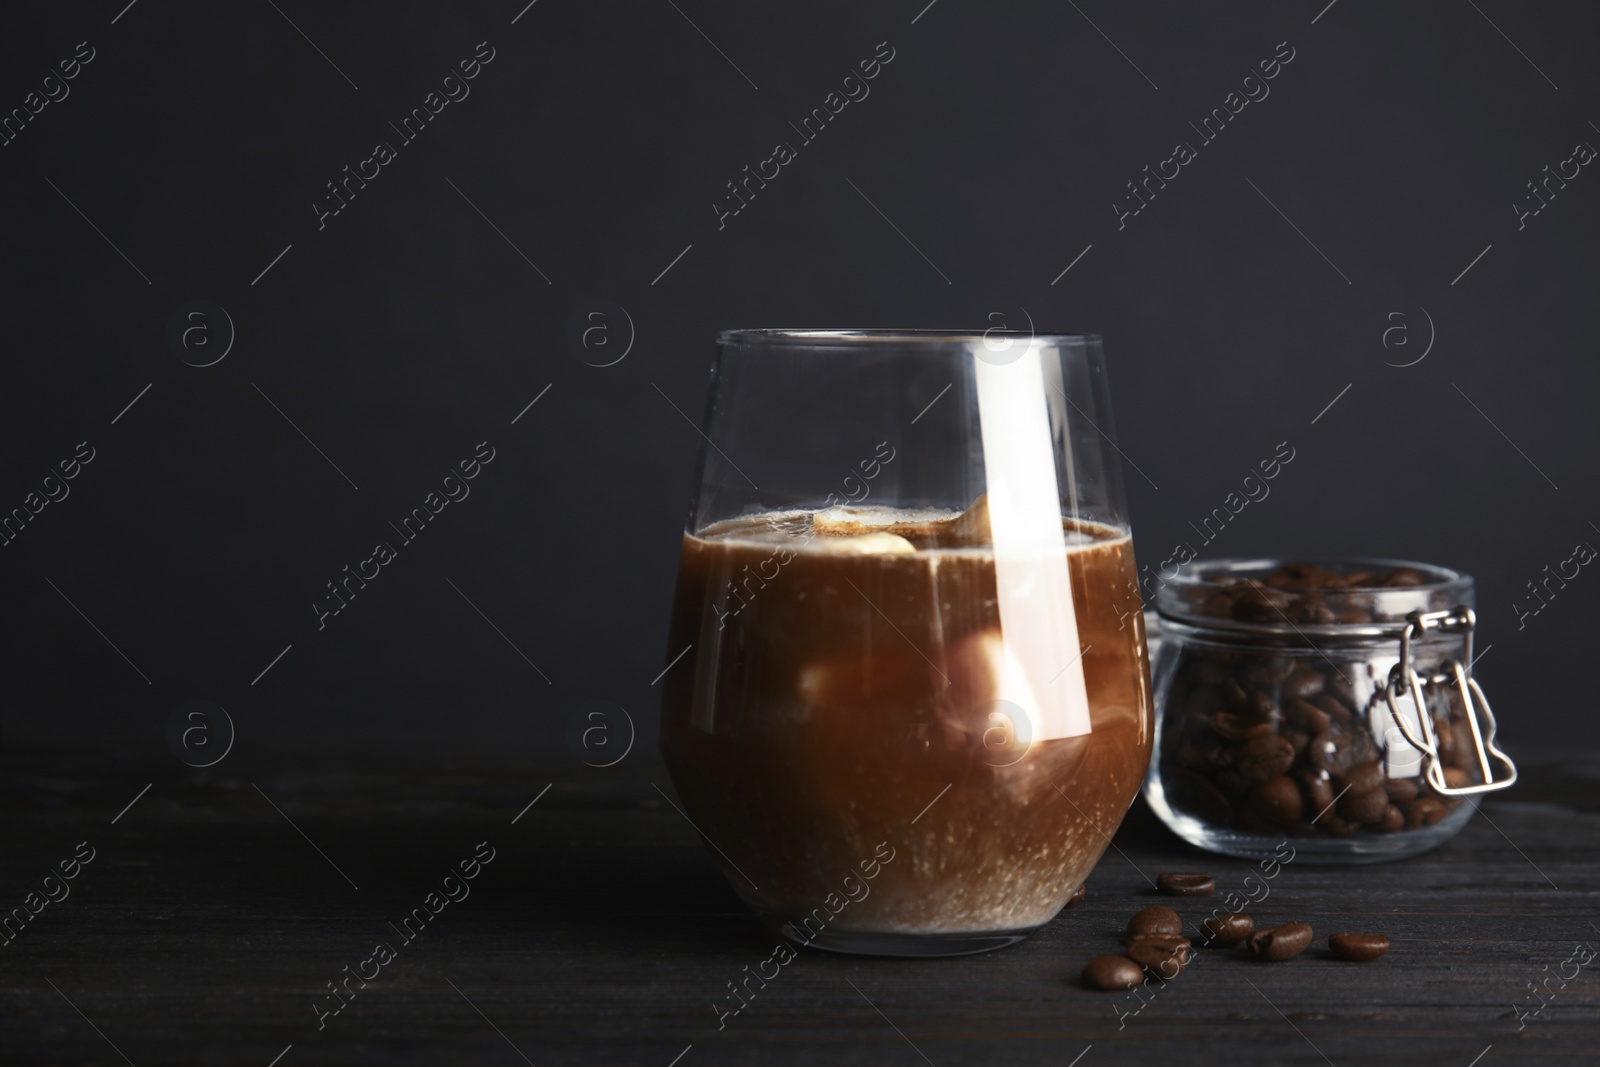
220 905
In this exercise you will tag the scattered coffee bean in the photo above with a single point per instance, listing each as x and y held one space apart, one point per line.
1280 943
1112 972
1225 931
1077 895
1156 919
1358 946
1162 956
1186 885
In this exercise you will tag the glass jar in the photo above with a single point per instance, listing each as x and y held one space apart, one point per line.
1287 704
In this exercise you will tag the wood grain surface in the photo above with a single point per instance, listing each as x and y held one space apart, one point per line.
220 905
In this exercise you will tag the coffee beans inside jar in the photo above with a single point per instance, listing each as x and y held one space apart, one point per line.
1273 720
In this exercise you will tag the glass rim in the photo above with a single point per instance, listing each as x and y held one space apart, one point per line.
880 336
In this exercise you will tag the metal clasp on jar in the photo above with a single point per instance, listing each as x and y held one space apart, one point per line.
1474 705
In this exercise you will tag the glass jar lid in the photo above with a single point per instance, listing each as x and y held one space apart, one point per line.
1329 597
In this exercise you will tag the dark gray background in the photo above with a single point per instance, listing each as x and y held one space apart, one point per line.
998 139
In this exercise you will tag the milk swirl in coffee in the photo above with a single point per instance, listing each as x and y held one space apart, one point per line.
851 685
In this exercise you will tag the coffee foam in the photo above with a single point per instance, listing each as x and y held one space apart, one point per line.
828 531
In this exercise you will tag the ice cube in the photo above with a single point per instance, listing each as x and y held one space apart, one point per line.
872 544
971 527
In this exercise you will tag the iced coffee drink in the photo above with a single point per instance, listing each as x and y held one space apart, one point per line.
867 740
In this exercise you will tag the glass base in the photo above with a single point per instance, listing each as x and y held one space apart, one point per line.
1362 846
864 943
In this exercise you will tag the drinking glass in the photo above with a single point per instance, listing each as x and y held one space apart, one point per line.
913 698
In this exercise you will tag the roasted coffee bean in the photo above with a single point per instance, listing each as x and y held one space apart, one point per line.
1266 671
1318 787
1280 943
1237 727
1364 776
1198 757
1339 688
1337 826
1365 807
1162 956
1295 589
1393 819
1256 705
1227 930
1400 789
1308 717
1337 751
1278 800
1156 919
1358 946
1337 710
1186 885
1353 614
1263 707
1077 896
1448 742
1265 757
1323 754
1303 683
1456 778
1298 740
1424 811
1112 972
